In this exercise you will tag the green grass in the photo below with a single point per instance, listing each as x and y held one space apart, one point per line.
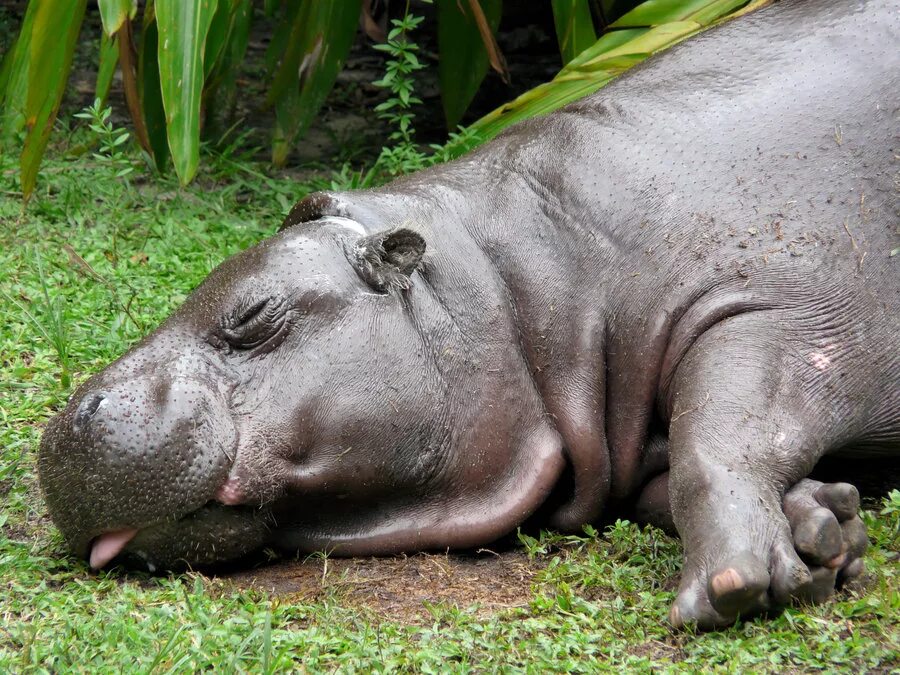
116 257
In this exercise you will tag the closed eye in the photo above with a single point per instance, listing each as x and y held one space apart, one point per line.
250 313
255 324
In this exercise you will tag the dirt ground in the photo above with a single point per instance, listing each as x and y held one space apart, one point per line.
400 588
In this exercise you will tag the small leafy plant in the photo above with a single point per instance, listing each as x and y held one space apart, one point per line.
404 156
111 140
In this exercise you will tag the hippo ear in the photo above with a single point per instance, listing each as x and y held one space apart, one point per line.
313 207
386 260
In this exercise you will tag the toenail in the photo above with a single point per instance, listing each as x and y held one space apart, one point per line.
837 561
854 569
726 581
675 616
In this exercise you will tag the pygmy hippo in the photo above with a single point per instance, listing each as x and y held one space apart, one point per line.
679 290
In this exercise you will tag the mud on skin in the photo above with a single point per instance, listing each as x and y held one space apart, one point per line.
701 249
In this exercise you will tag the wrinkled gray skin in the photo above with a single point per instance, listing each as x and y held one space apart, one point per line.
678 289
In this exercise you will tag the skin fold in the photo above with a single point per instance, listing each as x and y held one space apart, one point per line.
676 292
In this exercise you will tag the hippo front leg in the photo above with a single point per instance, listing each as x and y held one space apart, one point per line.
747 422
829 535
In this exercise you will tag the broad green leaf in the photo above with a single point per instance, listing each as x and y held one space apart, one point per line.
149 90
54 34
715 10
574 27
183 27
271 6
228 39
613 9
612 40
114 12
610 56
290 9
219 30
463 56
14 79
318 43
657 12
109 58
219 91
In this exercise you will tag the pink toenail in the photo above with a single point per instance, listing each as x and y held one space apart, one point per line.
727 581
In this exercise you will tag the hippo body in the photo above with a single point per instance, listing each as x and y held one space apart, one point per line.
679 290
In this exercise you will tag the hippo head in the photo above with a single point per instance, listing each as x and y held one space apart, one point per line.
316 391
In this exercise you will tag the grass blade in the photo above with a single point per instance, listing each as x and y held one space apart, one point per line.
183 28
574 27
54 33
464 58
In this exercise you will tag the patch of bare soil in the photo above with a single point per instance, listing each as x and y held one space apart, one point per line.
399 588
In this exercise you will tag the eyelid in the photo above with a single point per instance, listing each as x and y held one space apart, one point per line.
240 317
254 326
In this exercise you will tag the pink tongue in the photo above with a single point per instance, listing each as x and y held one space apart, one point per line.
108 546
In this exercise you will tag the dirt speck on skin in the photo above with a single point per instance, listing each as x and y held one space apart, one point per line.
399 588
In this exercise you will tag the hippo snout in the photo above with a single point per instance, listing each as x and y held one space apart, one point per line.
133 454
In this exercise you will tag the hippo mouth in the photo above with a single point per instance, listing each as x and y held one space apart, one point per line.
107 546
103 548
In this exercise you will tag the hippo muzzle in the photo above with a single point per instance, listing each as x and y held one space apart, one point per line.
136 449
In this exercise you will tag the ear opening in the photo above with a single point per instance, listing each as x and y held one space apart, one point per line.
386 260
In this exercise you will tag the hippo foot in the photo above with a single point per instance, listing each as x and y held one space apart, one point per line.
821 549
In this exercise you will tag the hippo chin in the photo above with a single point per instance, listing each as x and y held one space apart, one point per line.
677 291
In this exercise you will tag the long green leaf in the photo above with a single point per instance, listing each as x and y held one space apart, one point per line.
219 92
278 43
219 30
613 9
464 58
54 34
574 27
658 12
109 58
149 91
183 27
270 7
611 55
14 79
318 44
114 12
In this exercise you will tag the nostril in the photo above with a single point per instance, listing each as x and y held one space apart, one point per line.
88 408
